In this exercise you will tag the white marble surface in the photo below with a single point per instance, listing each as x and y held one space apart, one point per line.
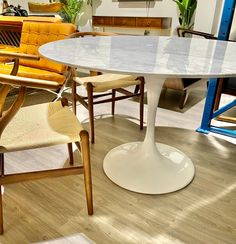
140 55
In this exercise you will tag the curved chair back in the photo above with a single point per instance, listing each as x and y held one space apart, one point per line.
109 84
40 126
83 34
7 82
35 34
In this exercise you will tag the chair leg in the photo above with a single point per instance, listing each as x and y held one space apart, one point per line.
1 212
74 96
218 94
141 103
70 150
164 90
1 205
136 89
90 108
1 164
184 99
87 170
113 96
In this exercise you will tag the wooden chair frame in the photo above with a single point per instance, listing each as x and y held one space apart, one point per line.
183 32
6 117
179 84
10 34
89 101
220 90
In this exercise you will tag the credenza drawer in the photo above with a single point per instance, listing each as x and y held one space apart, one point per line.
125 21
104 20
149 22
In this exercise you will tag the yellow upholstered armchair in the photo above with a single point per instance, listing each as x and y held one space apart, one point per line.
39 126
27 62
99 85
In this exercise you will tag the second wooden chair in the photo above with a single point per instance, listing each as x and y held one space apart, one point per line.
102 84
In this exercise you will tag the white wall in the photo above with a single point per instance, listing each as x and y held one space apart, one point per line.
208 15
160 8
206 19
209 21
233 28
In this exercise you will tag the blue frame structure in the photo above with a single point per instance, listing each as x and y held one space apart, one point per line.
209 114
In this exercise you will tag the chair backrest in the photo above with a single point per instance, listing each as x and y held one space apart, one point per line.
6 116
10 34
10 27
6 84
83 34
35 34
182 32
229 86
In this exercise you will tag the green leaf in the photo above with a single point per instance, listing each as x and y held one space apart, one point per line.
187 9
71 9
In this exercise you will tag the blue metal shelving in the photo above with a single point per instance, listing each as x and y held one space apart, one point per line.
209 113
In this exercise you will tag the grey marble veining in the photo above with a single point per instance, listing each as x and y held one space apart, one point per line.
150 55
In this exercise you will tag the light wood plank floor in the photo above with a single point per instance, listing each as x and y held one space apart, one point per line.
203 212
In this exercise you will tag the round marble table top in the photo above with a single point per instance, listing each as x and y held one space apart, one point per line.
146 55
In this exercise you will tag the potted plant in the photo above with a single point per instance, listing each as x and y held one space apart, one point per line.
186 9
70 9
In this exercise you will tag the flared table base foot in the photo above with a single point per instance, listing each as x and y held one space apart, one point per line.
136 167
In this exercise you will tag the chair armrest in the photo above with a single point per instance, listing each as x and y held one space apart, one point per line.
19 55
28 82
182 32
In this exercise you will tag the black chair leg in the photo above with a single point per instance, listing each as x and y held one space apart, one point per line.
113 95
90 108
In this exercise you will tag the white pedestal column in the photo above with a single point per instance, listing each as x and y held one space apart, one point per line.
149 167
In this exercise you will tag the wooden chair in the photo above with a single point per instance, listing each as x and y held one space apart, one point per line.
40 126
33 35
103 83
185 84
225 86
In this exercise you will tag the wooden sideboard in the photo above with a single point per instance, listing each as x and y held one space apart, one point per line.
132 22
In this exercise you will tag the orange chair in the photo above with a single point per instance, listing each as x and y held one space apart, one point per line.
27 62
10 31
